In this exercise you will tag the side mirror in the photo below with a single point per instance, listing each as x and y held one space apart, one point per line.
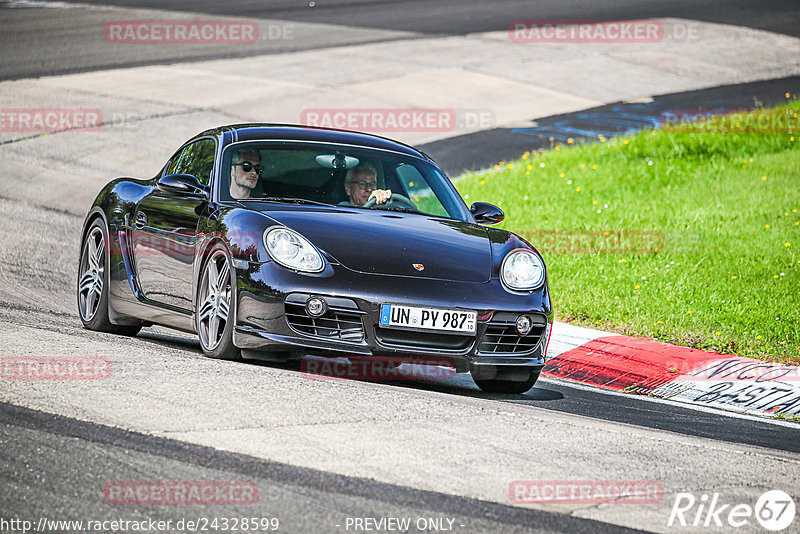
486 213
184 184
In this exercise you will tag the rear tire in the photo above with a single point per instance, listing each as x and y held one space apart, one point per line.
504 385
92 286
215 306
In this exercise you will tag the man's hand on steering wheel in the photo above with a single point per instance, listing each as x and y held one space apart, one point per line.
381 196
395 199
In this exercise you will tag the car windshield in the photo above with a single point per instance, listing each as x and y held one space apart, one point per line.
336 175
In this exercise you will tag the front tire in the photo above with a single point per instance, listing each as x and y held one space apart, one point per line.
215 307
92 287
503 383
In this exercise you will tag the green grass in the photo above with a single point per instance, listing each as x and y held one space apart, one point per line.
720 214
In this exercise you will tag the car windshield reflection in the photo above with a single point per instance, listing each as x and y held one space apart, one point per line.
337 176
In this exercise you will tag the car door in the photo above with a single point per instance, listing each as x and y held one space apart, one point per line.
165 228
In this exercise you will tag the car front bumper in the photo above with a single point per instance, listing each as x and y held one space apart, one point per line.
270 317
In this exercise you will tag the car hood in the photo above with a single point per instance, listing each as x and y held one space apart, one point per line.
391 242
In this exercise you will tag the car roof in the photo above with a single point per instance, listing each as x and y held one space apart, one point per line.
262 131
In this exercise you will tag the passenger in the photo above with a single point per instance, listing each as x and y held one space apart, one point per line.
360 183
246 169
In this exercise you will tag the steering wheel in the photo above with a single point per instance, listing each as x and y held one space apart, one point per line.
396 199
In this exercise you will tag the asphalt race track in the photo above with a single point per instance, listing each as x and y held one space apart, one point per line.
323 453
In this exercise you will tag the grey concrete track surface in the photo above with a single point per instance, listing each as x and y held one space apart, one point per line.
469 16
422 437
71 40
470 446
63 487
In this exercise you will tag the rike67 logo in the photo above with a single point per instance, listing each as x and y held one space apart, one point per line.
774 510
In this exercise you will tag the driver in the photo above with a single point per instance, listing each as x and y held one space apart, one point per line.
360 183
246 169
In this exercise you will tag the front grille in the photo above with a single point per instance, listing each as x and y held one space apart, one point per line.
422 340
335 324
503 338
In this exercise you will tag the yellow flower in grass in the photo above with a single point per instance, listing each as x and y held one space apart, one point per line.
525 155
530 167
483 182
625 142
616 298
787 244
570 140
558 147
763 178
788 95
594 167
578 189
594 202
689 312
733 277
717 333
776 276
783 343
637 286
766 226
583 165
562 175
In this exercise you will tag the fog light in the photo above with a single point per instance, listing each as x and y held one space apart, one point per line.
524 324
316 306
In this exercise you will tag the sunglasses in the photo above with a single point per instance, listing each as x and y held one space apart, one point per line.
247 167
363 184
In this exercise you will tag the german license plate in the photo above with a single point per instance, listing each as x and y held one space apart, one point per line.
435 319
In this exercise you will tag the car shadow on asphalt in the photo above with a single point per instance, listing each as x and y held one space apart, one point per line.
452 383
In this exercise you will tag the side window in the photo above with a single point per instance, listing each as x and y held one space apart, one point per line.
419 191
173 163
196 159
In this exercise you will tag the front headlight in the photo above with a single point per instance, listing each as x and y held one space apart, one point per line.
292 250
522 270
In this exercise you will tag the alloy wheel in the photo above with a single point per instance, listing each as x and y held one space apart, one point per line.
215 298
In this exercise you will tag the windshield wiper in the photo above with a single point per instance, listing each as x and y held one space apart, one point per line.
407 210
289 200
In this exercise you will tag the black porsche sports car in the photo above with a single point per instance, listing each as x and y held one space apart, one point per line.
257 238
